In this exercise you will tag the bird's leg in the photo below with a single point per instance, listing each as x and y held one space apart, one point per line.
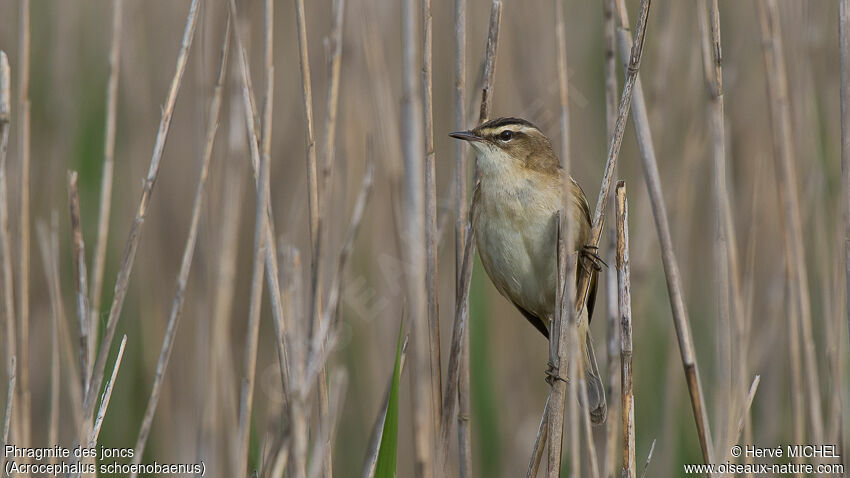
552 374
591 258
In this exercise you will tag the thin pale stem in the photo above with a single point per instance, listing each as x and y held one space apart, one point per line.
413 188
7 416
325 191
272 270
625 306
633 65
5 235
431 232
561 335
99 262
188 255
461 183
80 276
248 379
777 89
455 354
132 243
611 326
24 230
57 314
844 40
464 431
49 245
671 268
107 394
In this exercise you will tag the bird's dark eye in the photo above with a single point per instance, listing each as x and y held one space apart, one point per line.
506 135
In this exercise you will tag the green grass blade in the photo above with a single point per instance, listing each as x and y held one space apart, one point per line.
387 454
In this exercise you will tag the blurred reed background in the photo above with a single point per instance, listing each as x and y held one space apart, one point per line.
198 412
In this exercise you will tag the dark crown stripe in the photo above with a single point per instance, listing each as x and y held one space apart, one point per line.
499 122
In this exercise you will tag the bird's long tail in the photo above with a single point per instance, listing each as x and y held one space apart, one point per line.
596 405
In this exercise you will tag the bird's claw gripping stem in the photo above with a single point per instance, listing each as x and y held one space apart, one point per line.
552 374
591 258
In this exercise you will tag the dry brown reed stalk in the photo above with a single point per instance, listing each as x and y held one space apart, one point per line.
99 261
844 41
320 239
778 95
49 245
561 335
188 254
332 105
310 365
539 441
5 237
297 330
461 183
24 231
263 243
334 67
581 395
7 416
633 65
459 333
57 314
714 85
798 419
313 194
271 268
431 231
129 256
578 389
327 430
625 306
671 269
490 54
612 323
413 193
378 428
220 403
562 339
489 73
318 358
250 360
745 410
55 383
107 394
80 274
728 283
307 100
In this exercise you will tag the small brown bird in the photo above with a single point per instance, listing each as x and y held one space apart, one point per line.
514 214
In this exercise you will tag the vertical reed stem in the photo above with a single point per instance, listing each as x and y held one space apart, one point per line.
777 89
80 275
671 268
461 206
431 239
5 235
625 305
611 326
132 243
99 263
414 233
844 40
24 238
562 336
188 255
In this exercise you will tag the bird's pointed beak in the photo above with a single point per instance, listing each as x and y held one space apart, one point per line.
466 136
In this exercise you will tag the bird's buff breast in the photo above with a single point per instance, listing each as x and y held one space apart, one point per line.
515 236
